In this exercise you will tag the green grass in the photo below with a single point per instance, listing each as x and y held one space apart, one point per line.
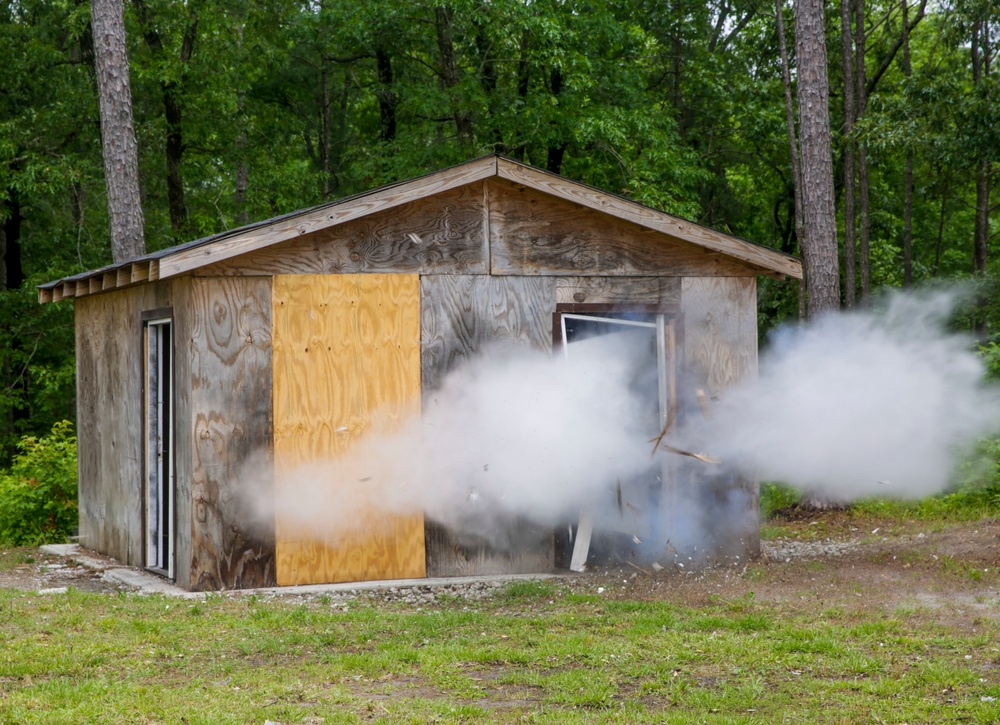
535 652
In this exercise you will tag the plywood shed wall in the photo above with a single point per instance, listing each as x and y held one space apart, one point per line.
290 335
222 424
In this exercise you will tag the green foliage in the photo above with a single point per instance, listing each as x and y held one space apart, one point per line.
38 493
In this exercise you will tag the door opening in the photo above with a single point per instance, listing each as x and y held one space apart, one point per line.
647 339
159 493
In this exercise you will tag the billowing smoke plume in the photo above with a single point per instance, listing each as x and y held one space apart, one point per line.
859 404
514 434
852 405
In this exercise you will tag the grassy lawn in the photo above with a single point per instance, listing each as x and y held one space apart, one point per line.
536 652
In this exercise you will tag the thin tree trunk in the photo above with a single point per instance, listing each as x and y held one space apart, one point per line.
489 80
850 250
793 145
908 173
557 151
324 132
120 151
980 73
173 114
386 95
449 72
818 212
864 219
11 264
242 171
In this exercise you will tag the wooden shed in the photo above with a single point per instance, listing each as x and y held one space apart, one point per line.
273 344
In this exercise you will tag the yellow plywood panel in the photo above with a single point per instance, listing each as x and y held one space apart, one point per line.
346 348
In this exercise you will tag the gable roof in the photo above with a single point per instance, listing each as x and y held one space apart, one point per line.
193 255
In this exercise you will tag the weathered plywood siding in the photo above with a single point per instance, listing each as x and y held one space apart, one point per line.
720 330
462 316
720 350
110 429
618 290
229 344
534 233
441 234
346 347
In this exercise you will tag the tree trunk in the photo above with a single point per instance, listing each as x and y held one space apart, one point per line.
864 218
980 72
908 173
449 73
793 145
121 158
818 212
11 267
173 113
847 59
386 95
557 150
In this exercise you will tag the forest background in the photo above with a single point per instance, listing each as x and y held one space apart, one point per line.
247 110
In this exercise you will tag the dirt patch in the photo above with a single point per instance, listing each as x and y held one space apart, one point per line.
828 560
32 570
833 560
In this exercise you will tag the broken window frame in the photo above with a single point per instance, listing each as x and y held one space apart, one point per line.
667 322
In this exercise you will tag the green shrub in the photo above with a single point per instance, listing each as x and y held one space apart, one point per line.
38 491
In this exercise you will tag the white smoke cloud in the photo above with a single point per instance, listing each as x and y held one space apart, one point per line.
850 406
510 434
854 405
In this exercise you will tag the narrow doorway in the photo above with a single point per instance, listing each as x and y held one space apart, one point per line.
159 489
615 528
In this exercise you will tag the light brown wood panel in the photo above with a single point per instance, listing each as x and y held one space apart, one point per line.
465 315
720 349
346 348
444 233
614 290
535 233
229 339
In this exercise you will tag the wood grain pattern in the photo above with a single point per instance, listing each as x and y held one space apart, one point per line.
720 330
618 290
346 347
229 343
720 349
451 555
464 316
535 233
443 234
629 211
110 438
379 200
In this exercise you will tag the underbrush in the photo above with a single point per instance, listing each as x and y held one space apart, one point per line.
38 493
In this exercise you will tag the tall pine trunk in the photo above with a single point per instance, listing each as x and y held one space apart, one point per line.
818 213
793 145
908 173
121 156
847 60
864 217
